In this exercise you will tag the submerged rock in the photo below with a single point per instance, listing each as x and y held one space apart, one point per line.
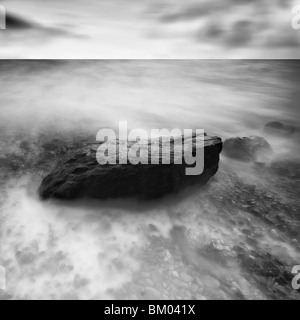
82 176
251 148
56 146
286 168
279 128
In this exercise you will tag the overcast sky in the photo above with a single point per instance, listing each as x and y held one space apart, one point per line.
149 29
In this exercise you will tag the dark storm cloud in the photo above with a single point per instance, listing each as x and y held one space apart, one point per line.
18 25
214 31
30 33
237 24
149 29
240 33
14 22
245 33
205 8
192 12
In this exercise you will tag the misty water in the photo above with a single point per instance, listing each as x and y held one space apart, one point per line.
237 238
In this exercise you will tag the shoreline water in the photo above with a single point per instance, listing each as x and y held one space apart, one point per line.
235 239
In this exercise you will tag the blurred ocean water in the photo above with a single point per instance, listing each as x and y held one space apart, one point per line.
236 239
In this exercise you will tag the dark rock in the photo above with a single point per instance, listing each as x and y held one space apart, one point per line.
82 176
251 148
279 128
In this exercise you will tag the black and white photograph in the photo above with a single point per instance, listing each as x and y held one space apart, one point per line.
151 29
149 151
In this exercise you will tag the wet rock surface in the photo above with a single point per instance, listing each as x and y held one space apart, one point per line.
20 152
237 238
200 262
82 176
251 148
